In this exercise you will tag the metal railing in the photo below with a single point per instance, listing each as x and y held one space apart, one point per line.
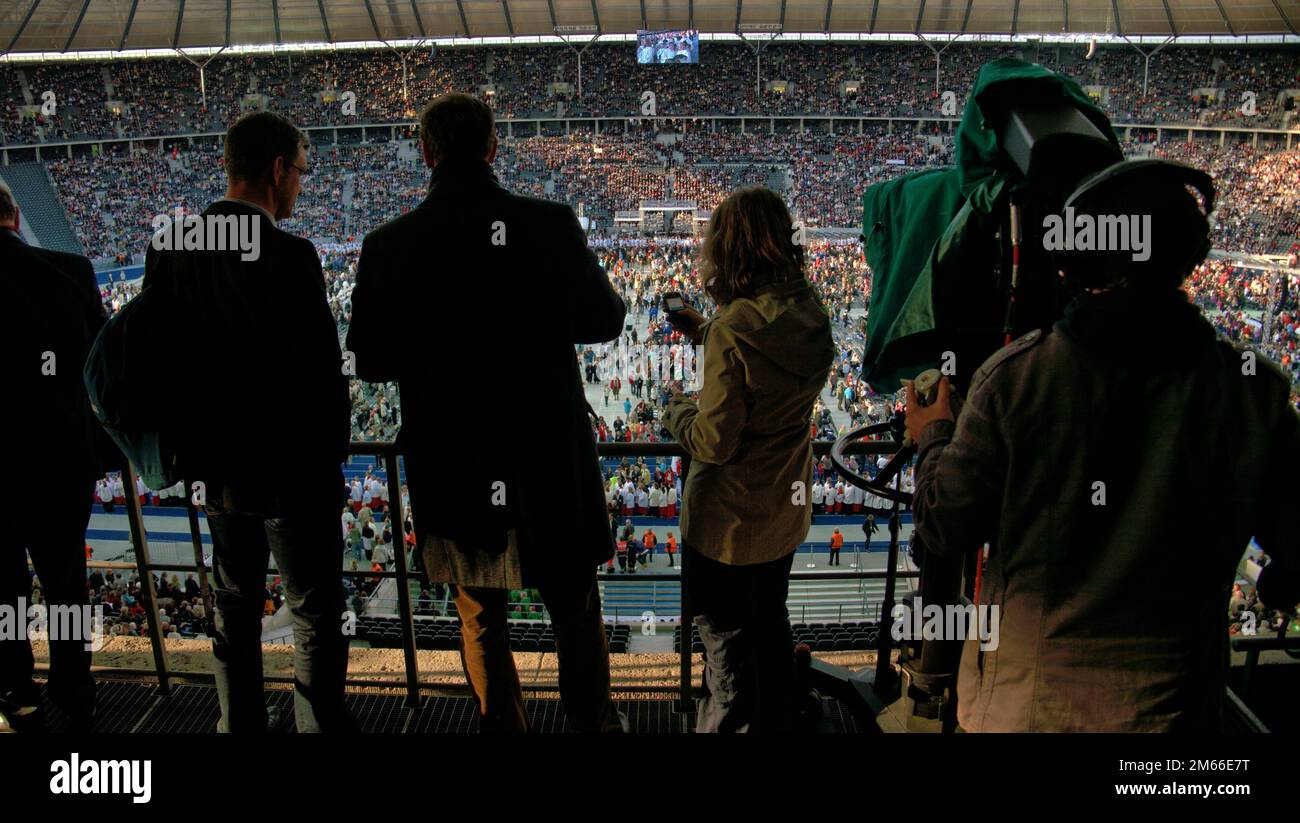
1253 645
388 453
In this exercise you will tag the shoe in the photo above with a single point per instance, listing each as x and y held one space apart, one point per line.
273 716
20 712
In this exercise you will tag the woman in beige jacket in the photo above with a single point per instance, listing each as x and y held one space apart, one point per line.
767 353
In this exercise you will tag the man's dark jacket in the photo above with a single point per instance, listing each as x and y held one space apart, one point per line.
1121 464
473 302
57 311
257 364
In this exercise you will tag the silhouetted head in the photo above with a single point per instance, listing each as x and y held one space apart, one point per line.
457 129
750 243
265 159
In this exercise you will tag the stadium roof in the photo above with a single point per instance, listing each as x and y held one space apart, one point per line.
94 25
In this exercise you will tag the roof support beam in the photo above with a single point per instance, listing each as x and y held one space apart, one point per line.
690 14
1285 19
72 34
550 5
374 24
180 16
1224 15
739 3
130 18
461 8
1015 16
227 22
1065 15
920 12
1169 15
871 27
419 24
826 24
1119 25
324 22
23 25
782 20
505 6
275 9
643 23
595 14
965 18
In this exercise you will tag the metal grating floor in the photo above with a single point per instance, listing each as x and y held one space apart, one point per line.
125 708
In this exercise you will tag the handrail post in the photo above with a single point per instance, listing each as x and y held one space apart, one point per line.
196 538
685 705
884 671
135 518
1252 658
403 586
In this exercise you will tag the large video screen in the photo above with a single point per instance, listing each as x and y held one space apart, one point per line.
679 46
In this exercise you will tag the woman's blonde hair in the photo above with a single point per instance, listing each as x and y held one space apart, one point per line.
750 243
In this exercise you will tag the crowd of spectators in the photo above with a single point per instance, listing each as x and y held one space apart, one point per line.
1247 615
1252 308
354 188
115 221
161 96
117 596
181 611
1258 206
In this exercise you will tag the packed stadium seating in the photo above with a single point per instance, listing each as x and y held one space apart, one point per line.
161 96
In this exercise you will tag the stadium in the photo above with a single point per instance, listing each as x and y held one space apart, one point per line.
644 120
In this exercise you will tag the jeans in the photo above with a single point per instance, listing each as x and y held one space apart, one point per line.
580 647
56 541
748 646
305 542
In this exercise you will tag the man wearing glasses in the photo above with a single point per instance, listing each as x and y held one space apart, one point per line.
264 386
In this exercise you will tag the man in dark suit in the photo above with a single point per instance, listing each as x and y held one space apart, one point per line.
48 332
474 289
264 379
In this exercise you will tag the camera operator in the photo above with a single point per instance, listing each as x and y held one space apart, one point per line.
1090 455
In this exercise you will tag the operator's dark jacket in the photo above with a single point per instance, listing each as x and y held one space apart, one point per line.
1114 607
473 302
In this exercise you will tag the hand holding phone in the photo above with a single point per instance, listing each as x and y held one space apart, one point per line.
682 317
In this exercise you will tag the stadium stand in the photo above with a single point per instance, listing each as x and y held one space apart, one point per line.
41 206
